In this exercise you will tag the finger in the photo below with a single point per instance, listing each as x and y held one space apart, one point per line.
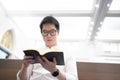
28 61
28 57
45 60
41 60
54 60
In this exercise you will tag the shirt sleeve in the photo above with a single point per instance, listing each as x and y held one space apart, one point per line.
71 68
18 75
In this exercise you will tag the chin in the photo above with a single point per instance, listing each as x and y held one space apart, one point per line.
49 44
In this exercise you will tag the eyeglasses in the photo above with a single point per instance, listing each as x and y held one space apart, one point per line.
51 32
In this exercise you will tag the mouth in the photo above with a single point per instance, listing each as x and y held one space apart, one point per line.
49 40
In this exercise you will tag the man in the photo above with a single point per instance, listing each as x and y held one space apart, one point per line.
47 70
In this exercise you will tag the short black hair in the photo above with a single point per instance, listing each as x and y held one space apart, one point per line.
49 19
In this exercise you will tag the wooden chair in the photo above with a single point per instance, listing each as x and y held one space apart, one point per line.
9 68
98 71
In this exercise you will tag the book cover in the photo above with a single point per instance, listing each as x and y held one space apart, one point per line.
49 55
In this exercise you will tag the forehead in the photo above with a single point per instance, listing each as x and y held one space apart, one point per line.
48 26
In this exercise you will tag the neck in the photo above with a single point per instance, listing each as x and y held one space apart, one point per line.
51 45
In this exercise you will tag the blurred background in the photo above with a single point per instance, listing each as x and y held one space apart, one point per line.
90 27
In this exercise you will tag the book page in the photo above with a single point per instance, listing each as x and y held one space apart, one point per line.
50 50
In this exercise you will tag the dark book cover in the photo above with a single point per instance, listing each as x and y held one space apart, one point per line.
59 56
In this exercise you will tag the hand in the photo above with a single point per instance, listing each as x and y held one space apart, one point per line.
48 65
27 60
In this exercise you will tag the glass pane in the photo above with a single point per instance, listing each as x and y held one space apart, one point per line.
3 55
115 5
70 27
110 29
47 4
74 27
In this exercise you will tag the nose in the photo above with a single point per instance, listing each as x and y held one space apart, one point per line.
49 35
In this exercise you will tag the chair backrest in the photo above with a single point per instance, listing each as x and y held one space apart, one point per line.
98 71
9 68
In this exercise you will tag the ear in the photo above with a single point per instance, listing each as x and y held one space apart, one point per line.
58 32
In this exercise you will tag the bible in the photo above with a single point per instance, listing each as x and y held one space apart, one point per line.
59 56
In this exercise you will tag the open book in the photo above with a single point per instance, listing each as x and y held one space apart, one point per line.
49 55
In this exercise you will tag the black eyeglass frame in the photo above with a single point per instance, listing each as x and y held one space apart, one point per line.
51 32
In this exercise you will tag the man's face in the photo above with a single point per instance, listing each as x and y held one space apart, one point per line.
49 33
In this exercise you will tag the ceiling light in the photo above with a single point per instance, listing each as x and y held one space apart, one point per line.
92 23
97 6
108 5
101 23
91 28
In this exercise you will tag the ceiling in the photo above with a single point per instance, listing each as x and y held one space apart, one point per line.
79 19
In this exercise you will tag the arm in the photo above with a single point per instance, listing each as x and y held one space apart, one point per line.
70 68
51 67
23 72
